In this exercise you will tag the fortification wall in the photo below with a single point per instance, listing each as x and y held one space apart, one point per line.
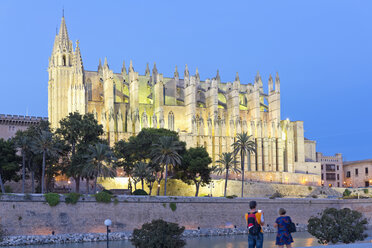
21 217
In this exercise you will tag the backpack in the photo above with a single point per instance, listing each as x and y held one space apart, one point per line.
253 227
291 227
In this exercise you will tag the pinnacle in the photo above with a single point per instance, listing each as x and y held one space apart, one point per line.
176 75
105 64
186 71
277 76
258 77
147 72
237 77
100 64
123 69
218 75
131 66
154 69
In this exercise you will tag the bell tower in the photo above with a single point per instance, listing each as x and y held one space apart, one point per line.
66 90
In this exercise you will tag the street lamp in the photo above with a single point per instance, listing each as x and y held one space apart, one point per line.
211 186
108 223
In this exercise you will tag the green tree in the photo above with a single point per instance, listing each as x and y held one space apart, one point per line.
139 149
142 171
158 234
34 159
244 145
227 162
338 225
194 168
44 144
165 153
150 179
9 163
78 132
23 142
100 163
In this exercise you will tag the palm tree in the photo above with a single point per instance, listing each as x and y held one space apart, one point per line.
165 153
142 171
244 145
23 142
227 162
44 143
100 163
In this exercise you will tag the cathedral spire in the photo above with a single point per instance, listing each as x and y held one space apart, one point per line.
63 35
78 60
176 74
154 70
218 78
258 77
186 73
106 64
197 74
100 65
131 69
237 77
277 82
271 87
123 69
147 72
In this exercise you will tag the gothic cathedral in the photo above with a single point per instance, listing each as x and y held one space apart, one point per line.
204 113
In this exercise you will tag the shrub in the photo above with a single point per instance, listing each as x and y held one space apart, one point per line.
116 201
365 191
310 188
72 198
277 194
139 192
8 189
173 206
52 199
346 192
231 196
333 225
158 233
107 191
103 197
314 196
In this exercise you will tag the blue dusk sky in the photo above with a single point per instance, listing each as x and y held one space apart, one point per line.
322 51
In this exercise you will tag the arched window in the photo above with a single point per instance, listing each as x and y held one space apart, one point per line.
64 60
89 89
171 121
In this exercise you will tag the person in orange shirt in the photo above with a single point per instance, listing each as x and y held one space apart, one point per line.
255 221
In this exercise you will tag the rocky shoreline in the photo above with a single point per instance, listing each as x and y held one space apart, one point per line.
118 236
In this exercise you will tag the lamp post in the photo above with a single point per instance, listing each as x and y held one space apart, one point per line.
108 223
211 186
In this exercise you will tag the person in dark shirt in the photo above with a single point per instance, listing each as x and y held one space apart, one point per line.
283 236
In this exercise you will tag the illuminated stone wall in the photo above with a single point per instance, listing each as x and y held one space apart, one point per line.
216 188
206 113
20 216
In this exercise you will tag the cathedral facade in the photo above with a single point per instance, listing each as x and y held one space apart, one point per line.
204 113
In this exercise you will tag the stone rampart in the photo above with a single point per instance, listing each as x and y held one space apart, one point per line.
34 216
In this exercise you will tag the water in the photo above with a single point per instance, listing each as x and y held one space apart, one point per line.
301 239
